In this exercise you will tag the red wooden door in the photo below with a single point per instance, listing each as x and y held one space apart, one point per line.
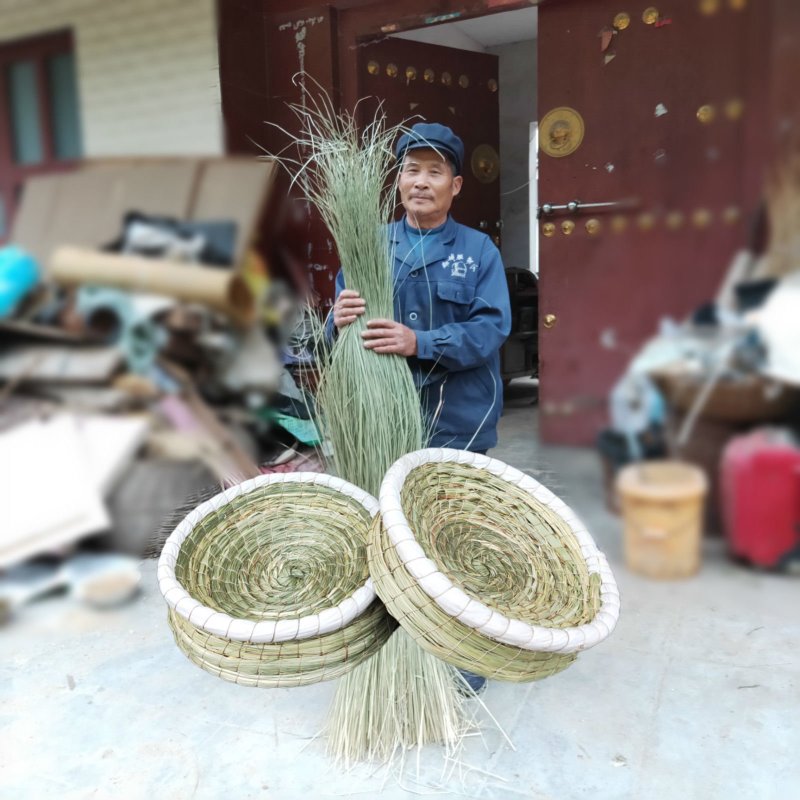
458 88
667 103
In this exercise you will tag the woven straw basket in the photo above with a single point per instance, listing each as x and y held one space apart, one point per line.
486 568
267 582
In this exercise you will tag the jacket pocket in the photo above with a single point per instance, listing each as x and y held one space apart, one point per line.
453 292
453 302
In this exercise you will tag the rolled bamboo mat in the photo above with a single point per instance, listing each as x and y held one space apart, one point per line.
220 289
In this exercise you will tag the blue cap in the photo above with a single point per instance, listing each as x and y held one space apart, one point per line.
433 136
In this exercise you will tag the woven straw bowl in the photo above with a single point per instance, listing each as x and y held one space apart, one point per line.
486 568
267 582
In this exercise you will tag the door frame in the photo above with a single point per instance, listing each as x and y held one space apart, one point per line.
360 22
261 44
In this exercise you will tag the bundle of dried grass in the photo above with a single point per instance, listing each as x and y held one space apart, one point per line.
368 406
401 698
369 412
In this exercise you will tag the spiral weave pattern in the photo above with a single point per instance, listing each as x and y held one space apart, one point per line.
486 569
283 551
268 583
516 554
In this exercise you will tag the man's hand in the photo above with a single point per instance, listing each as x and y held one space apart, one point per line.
388 336
348 307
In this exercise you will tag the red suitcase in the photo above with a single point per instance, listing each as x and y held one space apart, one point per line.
760 489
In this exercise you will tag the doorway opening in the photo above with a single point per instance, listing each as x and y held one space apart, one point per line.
511 36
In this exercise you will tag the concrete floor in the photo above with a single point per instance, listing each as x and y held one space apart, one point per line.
694 696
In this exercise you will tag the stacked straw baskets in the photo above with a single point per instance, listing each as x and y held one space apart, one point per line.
267 582
486 568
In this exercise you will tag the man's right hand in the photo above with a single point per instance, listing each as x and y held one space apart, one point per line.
348 307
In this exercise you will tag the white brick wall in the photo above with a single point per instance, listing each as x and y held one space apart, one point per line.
148 71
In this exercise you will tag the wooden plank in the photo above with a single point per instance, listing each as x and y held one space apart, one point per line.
30 330
87 207
158 187
50 498
32 220
85 399
57 364
111 444
237 189
190 414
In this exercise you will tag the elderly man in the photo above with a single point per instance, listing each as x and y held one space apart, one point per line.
451 301
451 298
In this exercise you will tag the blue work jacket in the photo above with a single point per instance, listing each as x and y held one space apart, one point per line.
450 288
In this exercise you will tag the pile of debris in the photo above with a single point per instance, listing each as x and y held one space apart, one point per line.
147 355
730 368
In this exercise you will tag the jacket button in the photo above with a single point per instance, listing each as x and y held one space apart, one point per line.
414 273
412 316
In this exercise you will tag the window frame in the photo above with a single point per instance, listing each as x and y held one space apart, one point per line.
39 49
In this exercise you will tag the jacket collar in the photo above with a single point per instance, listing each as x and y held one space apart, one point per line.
432 252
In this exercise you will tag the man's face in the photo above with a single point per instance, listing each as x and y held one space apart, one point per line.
427 187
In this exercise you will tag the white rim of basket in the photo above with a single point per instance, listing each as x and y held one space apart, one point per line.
265 631
455 602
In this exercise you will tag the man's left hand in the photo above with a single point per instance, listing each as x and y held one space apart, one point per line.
388 336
